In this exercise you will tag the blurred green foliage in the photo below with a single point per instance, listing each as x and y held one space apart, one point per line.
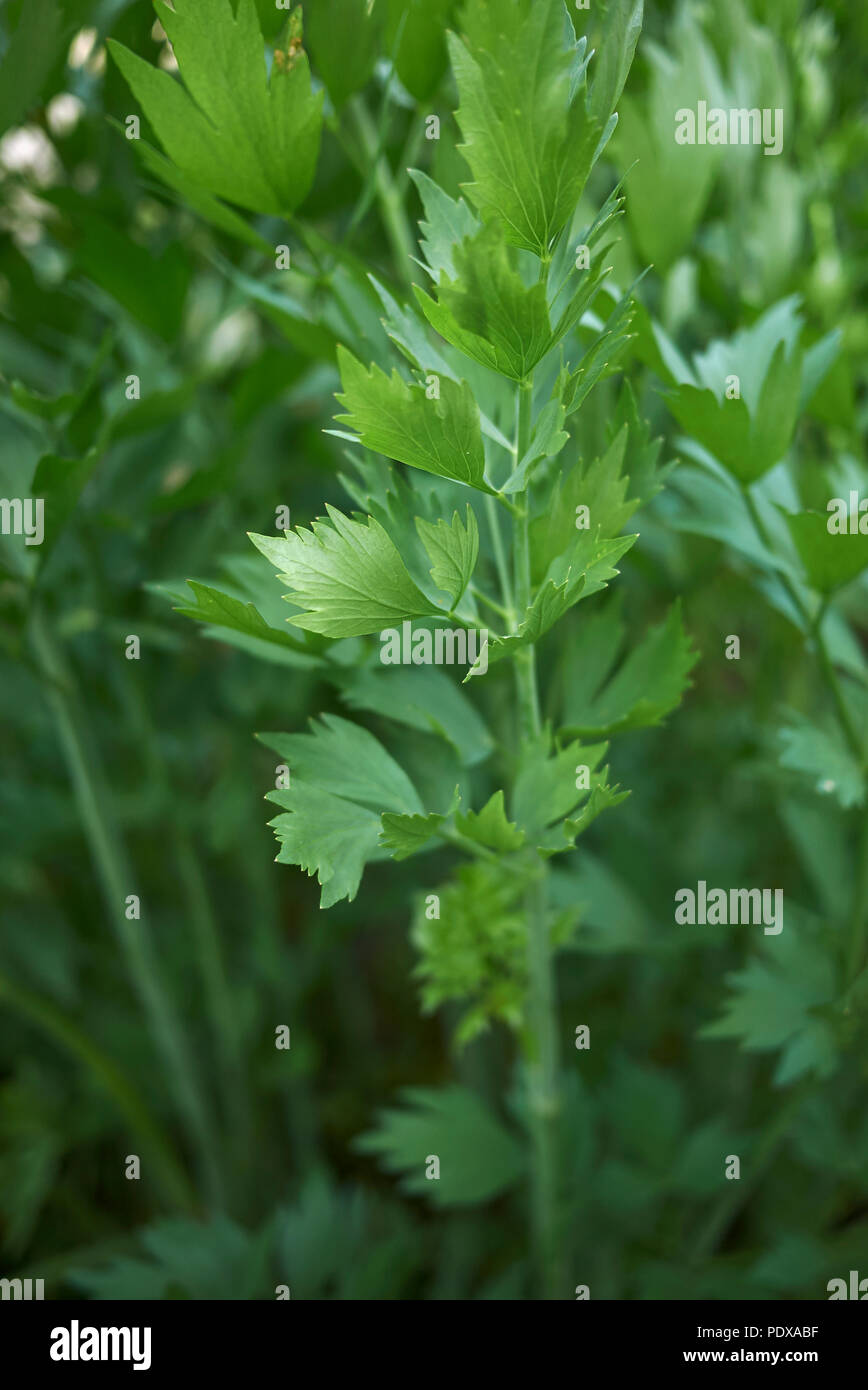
156 1036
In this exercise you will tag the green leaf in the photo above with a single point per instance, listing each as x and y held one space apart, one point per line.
232 129
337 774
600 356
479 1158
528 138
588 563
346 760
772 1006
546 787
668 184
830 559
406 327
416 35
403 836
328 837
642 459
440 436
37 43
342 35
750 432
817 363
345 1243
60 483
583 569
198 198
185 1259
345 575
648 686
447 223
602 798
224 610
486 310
747 446
490 827
601 487
232 618
452 550
304 325
547 441
822 755
620 30
422 698
549 604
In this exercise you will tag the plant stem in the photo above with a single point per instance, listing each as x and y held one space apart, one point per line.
395 220
491 603
540 1037
500 557
526 657
848 728
116 881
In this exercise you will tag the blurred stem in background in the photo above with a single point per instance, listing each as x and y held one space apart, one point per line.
63 1030
117 882
199 911
379 182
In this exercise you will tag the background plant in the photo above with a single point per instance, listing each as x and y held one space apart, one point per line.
125 258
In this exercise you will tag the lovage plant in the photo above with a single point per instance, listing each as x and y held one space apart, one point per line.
486 548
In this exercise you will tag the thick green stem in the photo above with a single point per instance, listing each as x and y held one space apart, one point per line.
541 1032
500 557
117 882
